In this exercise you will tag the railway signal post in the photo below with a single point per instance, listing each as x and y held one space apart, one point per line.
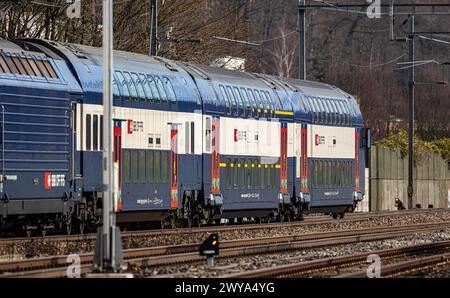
410 111
108 255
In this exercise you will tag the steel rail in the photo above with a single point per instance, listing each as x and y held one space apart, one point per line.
250 226
174 254
324 265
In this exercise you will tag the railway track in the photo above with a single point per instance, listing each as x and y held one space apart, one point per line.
329 266
187 253
211 229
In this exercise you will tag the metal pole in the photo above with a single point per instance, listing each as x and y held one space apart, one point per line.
153 27
410 111
107 136
301 31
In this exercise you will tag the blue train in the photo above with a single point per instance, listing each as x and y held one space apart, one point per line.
192 143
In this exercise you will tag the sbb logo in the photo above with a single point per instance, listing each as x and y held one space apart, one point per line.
54 180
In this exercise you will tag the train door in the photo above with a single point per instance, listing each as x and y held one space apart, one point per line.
174 166
284 159
215 156
298 155
2 148
117 160
304 158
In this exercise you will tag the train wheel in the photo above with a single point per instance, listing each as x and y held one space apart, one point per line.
334 215
67 227
81 226
341 215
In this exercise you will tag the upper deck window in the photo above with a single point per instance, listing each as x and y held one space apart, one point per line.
225 96
116 91
246 99
170 90
253 103
131 85
123 83
151 82
139 87
161 89
146 87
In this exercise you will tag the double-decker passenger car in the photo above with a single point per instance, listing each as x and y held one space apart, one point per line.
192 143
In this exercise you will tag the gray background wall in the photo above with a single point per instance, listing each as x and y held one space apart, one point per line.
389 179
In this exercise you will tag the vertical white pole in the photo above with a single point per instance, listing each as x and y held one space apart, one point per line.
108 211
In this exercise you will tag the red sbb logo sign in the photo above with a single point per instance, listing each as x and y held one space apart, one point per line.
54 180
319 140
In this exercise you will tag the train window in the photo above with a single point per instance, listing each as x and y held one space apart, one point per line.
50 69
139 87
329 174
142 166
101 132
344 173
242 174
134 166
268 176
255 174
347 112
253 104
150 166
235 174
258 100
248 173
35 68
19 65
3 65
336 111
88 132
42 67
11 65
123 83
161 89
164 166
245 97
261 176
316 173
228 174
240 101
145 85
95 132
27 66
315 109
155 92
116 92
192 137
338 174
232 99
273 176
322 109
225 98
126 166
320 175
333 174
269 103
314 170
349 176
329 110
157 166
131 86
170 90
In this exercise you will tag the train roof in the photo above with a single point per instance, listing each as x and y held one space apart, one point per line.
307 97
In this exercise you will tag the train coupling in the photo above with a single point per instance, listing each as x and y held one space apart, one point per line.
215 200
304 199
285 199
357 196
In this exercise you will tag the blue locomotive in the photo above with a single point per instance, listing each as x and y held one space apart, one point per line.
192 143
